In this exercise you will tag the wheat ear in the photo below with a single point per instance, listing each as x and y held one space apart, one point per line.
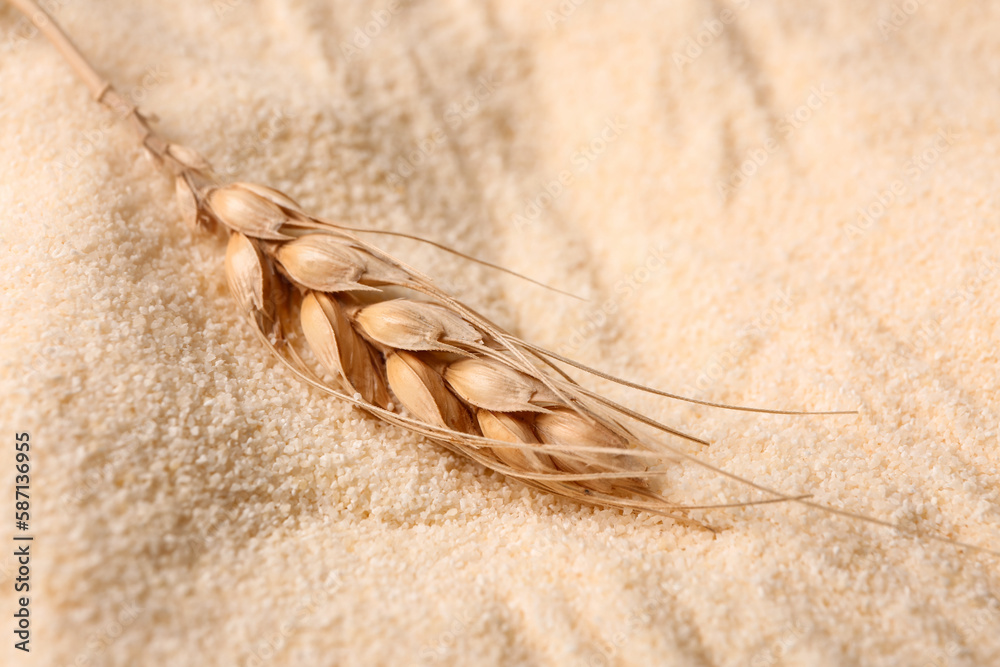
383 329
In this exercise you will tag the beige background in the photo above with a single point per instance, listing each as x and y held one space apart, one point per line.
194 504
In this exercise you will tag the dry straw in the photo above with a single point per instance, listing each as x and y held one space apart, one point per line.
314 290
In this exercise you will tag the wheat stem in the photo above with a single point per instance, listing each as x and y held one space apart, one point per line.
101 89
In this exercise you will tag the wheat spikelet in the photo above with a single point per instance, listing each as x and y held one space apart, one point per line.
385 332
461 379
